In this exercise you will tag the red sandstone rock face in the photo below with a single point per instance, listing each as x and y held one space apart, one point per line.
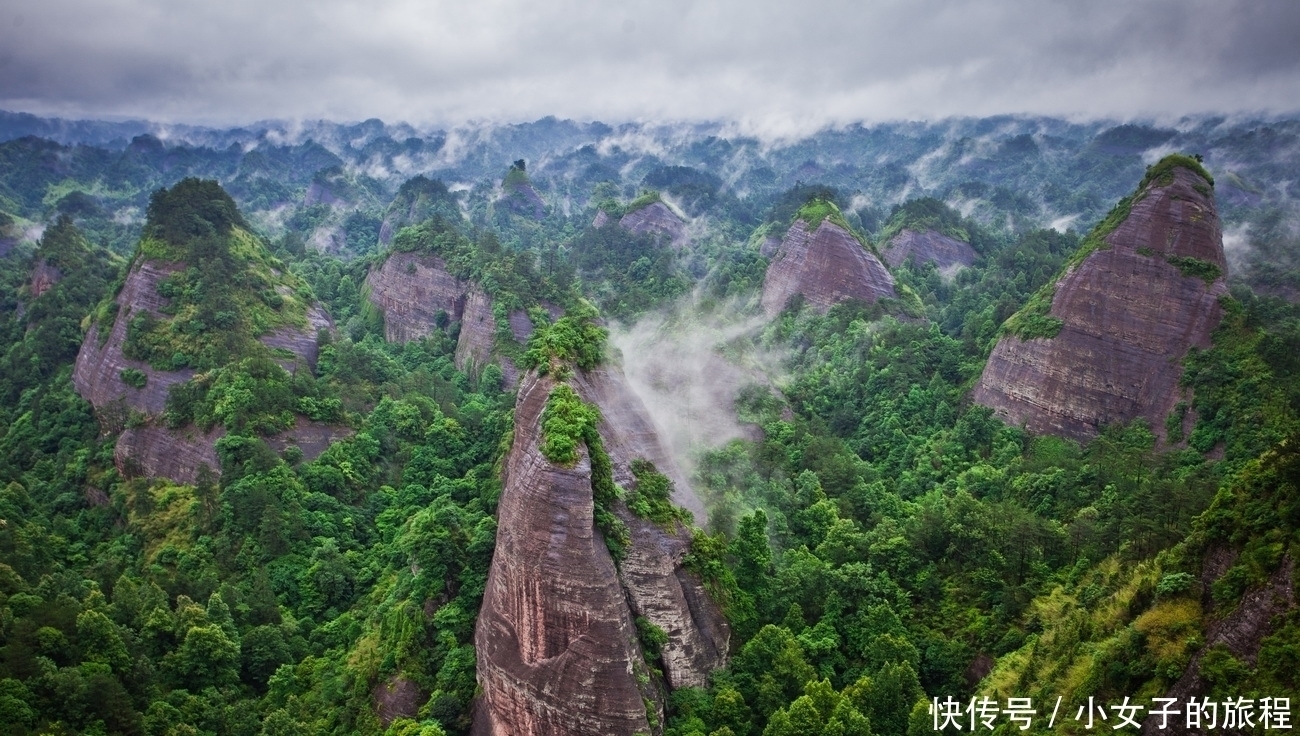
928 247
543 668
301 341
826 267
43 277
555 639
151 450
477 333
411 289
97 373
1129 319
657 219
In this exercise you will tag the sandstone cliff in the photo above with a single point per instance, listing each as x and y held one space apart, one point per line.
825 267
477 332
1241 632
557 650
655 219
415 291
150 449
658 220
928 246
417 295
556 643
1127 316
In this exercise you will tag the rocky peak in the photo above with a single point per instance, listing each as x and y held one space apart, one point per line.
419 199
659 220
1105 343
195 223
825 264
555 639
928 246
648 215
518 195
417 295
557 648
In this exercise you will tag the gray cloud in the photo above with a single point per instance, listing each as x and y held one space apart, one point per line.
772 66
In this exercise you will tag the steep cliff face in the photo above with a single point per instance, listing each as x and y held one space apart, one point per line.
415 292
655 219
97 374
659 220
152 450
928 247
411 290
555 640
1241 632
1128 314
477 332
557 650
825 267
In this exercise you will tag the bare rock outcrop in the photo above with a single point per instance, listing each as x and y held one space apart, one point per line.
417 295
149 449
825 267
97 374
1240 632
478 330
302 342
152 451
928 247
413 291
656 219
659 220
556 644
1128 317
44 275
550 562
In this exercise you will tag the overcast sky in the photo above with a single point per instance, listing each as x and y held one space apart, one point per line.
777 66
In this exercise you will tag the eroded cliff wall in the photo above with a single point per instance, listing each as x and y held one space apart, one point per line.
550 560
148 448
928 247
825 267
1128 315
556 643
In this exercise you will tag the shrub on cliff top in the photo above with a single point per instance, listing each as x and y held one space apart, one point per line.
1161 172
566 421
573 340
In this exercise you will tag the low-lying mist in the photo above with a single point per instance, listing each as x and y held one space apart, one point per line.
687 364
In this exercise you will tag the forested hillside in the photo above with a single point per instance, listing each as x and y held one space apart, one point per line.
258 404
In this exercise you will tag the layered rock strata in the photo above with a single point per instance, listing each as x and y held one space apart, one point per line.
655 219
557 650
659 220
413 291
928 247
1128 316
556 643
152 450
417 295
825 267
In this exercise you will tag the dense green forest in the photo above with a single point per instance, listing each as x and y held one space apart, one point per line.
876 541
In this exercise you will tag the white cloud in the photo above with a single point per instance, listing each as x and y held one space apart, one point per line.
775 69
